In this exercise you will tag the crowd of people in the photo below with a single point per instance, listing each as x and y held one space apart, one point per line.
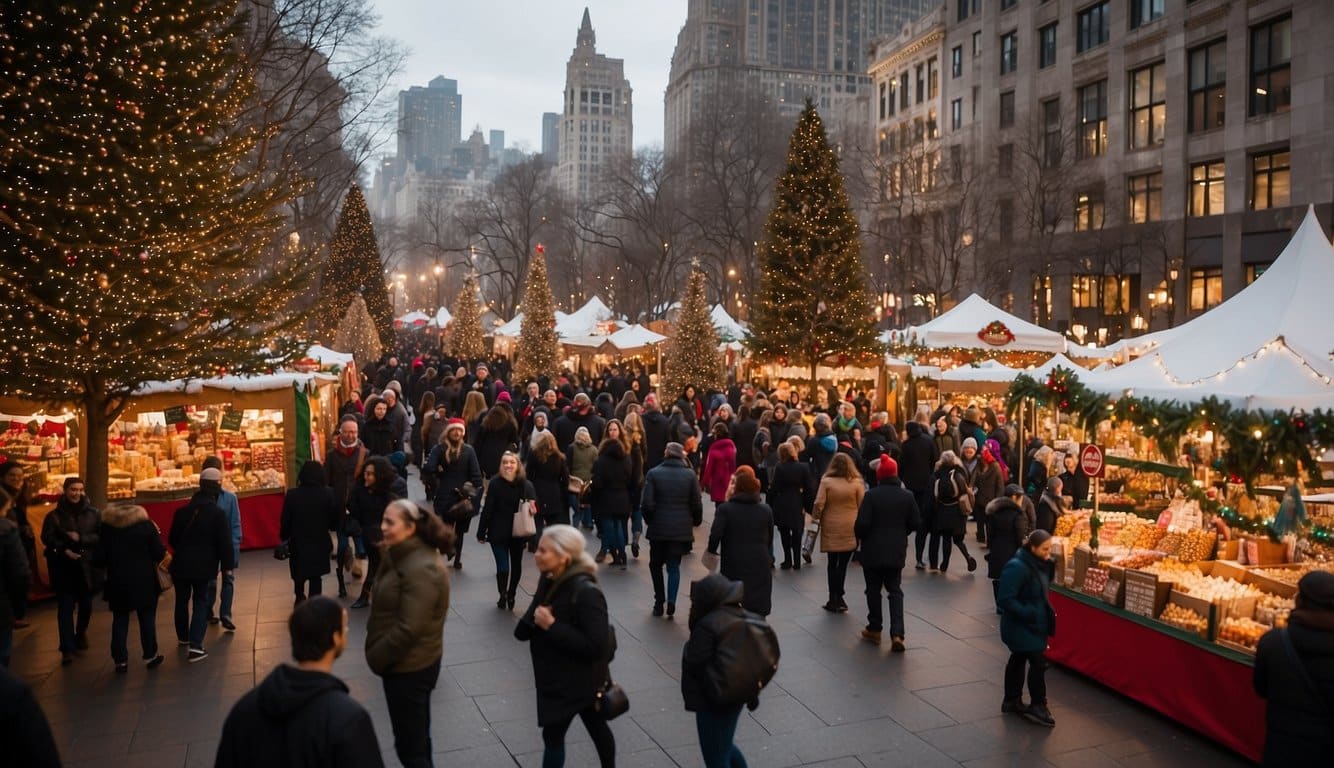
531 469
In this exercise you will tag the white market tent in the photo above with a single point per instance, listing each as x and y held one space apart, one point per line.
511 329
1268 347
584 320
412 320
262 383
325 356
442 318
1057 360
727 327
635 337
966 324
985 372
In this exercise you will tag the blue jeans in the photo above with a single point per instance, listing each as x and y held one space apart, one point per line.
120 630
189 626
613 535
716 731
580 515
358 542
637 523
65 605
228 591
665 554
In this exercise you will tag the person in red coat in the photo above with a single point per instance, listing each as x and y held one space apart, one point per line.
719 464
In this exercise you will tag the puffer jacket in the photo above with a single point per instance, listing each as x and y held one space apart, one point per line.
409 600
715 607
671 502
1027 618
129 548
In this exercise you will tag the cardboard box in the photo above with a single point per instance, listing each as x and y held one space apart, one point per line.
1273 586
1226 569
1200 606
1240 608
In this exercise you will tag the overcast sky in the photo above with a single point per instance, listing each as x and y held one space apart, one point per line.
509 55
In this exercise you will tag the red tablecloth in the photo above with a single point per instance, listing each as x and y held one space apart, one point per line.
260 518
1201 689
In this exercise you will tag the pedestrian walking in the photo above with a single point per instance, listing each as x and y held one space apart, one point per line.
791 495
309 514
506 494
570 639
15 578
231 507
715 611
719 464
15 484
836 503
69 537
917 460
672 507
610 497
129 548
1027 620
582 454
1294 674
1007 527
346 459
550 475
453 463
405 629
365 511
952 497
1050 505
887 514
301 715
743 529
201 542
638 449
24 729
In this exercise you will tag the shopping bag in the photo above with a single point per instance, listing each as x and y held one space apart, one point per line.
808 541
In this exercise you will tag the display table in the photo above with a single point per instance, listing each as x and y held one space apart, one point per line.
261 517
1206 688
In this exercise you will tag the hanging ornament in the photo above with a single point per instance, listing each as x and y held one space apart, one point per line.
71 259
103 281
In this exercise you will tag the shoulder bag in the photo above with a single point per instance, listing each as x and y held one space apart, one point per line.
525 520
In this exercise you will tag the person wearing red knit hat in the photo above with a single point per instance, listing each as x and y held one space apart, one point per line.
458 477
888 513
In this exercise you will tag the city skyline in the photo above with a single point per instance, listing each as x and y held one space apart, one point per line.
509 88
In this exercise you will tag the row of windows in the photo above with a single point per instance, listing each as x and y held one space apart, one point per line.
1115 294
897 90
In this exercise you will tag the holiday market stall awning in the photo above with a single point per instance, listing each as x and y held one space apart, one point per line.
985 372
727 326
634 337
1128 349
412 320
1268 347
442 318
585 320
1057 361
975 323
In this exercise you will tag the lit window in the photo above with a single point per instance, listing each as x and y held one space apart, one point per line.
1206 288
1145 198
1206 188
1271 180
1148 106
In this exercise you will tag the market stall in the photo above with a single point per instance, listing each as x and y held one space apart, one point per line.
47 446
975 330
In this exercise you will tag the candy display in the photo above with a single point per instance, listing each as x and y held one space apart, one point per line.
1242 631
1273 610
1184 618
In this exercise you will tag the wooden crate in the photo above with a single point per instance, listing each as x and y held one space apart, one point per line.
1273 586
1200 606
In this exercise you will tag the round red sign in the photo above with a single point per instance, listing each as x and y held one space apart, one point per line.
1090 460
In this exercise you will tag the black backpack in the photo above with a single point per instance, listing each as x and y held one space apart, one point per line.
744 661
951 496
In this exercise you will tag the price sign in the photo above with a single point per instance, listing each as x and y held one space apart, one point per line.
1095 581
1111 592
1141 593
1090 460
175 415
231 421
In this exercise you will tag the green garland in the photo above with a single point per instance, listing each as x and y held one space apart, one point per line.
1259 442
1236 522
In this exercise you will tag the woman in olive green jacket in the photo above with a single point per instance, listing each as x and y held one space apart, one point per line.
405 631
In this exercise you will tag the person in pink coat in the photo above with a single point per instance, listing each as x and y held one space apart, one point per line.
719 464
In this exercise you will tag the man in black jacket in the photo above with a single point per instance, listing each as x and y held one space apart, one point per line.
673 507
917 460
201 542
743 434
302 716
887 513
657 432
580 414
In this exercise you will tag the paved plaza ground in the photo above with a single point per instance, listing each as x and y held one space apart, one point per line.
837 701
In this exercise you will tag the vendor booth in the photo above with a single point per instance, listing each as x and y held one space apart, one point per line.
975 330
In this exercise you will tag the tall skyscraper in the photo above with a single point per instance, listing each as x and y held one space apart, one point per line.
430 124
785 50
596 126
551 137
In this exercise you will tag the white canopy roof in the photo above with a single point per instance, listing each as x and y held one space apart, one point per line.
584 320
966 324
412 319
442 318
1132 347
1267 347
727 326
635 336
988 371
237 383
511 329
1057 360
327 356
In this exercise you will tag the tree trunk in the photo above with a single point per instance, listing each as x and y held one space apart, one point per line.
815 382
95 450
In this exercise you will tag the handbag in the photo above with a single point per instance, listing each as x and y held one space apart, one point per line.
164 573
525 520
808 540
575 485
611 701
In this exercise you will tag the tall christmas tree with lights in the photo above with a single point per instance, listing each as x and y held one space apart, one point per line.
538 352
357 334
354 268
813 304
692 354
465 333
138 227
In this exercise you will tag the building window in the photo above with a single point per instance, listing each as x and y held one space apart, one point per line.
904 92
1083 291
1206 288
1007 4
1094 26
1271 67
1007 109
1052 144
1254 270
1206 188
893 95
1088 210
932 125
956 114
1145 197
921 83
1144 11
956 61
1005 159
1148 106
883 91
1208 86
932 78
1009 52
977 43
1047 46
1271 180
1041 298
1116 293
1093 119
963 10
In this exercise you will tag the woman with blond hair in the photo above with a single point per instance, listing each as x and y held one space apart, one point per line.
474 406
635 436
836 502
505 497
569 636
951 493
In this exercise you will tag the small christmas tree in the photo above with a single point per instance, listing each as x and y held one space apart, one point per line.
538 352
354 268
692 355
357 334
813 301
465 337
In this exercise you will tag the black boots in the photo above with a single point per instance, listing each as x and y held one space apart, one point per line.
502 586
364 599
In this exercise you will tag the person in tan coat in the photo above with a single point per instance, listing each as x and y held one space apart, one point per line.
836 503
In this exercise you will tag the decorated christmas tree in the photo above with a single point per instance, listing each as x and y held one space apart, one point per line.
465 333
538 352
354 268
692 355
813 304
134 218
357 334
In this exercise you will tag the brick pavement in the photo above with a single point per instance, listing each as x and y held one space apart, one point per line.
836 701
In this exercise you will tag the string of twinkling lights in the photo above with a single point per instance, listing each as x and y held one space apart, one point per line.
538 350
1278 345
466 340
354 269
692 354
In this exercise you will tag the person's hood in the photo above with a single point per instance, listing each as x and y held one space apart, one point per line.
124 515
287 690
711 592
613 448
312 473
828 443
